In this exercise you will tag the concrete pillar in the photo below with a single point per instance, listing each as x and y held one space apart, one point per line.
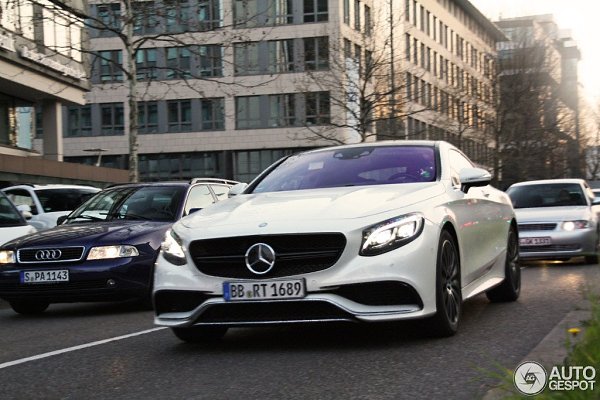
52 128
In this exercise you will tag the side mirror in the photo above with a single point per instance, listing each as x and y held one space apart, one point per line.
473 177
596 201
61 219
237 189
25 211
193 210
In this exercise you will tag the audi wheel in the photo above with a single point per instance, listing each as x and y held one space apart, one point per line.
29 307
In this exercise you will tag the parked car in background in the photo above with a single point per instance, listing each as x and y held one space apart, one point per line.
12 221
557 219
370 232
48 202
104 250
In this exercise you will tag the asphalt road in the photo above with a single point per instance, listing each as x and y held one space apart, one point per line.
395 361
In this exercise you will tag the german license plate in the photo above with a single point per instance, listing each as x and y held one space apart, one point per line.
58 275
535 241
264 290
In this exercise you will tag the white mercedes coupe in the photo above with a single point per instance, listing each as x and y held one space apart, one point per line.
370 232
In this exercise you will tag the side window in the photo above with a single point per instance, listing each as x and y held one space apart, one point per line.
220 191
457 163
199 197
20 197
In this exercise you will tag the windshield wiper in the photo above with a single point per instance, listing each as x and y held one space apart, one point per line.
90 217
135 216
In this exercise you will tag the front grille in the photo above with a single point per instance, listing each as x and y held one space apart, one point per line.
554 247
386 293
536 227
67 254
282 311
295 254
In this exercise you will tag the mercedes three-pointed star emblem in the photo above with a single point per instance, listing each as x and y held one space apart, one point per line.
260 258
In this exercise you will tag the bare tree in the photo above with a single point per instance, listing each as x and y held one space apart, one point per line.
534 126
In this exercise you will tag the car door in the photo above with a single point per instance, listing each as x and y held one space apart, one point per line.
22 197
476 220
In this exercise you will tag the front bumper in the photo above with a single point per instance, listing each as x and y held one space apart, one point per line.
99 280
183 296
564 244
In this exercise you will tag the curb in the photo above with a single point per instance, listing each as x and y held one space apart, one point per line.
552 350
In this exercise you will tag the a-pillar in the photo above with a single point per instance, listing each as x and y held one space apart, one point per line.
52 128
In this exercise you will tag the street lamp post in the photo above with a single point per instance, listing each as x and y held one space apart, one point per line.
99 152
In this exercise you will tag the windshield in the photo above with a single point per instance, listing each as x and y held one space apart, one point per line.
547 195
66 199
354 166
148 203
9 215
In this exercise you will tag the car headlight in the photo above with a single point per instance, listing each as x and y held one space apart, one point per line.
7 257
172 248
104 252
574 225
391 234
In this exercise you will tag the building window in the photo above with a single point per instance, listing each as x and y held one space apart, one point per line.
281 56
246 13
108 18
246 58
179 116
368 21
357 15
315 11
109 64
247 112
347 49
177 15
347 12
178 63
145 21
316 53
282 110
145 60
317 108
212 114
148 117
280 12
252 13
111 119
211 60
79 121
209 14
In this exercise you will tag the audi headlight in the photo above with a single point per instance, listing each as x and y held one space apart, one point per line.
391 234
574 225
172 248
7 257
104 252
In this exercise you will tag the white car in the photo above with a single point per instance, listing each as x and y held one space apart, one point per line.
12 221
49 202
370 232
557 219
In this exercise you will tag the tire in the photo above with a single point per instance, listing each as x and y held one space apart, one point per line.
591 259
200 334
510 288
448 291
29 307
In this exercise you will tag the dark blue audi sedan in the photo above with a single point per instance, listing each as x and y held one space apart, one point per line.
103 251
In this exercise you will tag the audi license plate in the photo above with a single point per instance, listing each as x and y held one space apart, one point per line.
59 275
535 241
264 290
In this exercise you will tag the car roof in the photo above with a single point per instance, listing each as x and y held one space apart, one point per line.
546 181
383 143
51 186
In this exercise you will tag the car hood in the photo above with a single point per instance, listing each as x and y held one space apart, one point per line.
552 214
315 204
96 233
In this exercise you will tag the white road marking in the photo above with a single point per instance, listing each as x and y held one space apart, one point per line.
75 348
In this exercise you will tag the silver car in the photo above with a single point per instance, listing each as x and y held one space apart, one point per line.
557 219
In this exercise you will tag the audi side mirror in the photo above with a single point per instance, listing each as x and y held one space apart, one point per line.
61 219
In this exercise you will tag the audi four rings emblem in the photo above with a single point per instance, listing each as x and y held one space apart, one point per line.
260 258
48 255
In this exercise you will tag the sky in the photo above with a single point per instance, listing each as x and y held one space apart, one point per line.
581 17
